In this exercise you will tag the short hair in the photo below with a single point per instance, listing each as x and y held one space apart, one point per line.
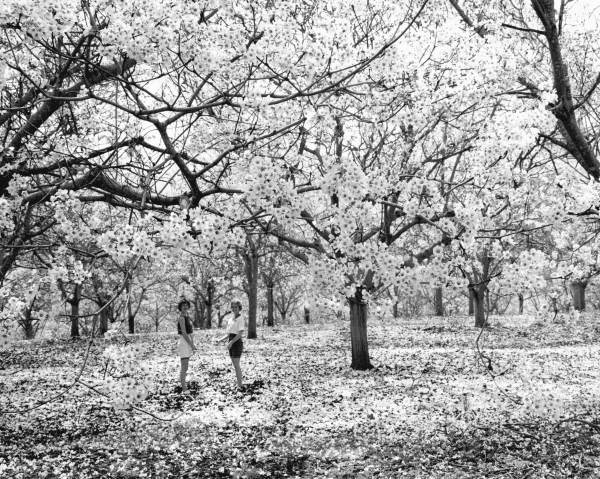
182 303
238 302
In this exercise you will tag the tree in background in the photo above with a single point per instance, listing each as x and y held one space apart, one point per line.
379 152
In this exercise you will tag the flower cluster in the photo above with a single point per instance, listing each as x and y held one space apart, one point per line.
128 381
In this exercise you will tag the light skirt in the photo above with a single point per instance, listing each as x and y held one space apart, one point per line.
183 348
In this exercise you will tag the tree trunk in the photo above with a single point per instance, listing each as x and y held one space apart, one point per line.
130 315
74 302
27 324
471 302
29 331
578 292
219 317
198 311
306 315
130 320
106 312
521 301
251 267
479 306
9 256
438 302
358 333
270 318
210 293
396 307
103 326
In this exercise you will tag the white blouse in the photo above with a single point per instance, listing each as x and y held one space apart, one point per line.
236 325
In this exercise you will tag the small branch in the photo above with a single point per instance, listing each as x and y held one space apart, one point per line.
524 29
590 92
479 30
136 408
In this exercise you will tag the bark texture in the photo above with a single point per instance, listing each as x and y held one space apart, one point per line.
479 306
251 270
358 333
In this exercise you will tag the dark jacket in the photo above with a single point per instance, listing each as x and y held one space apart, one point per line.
189 327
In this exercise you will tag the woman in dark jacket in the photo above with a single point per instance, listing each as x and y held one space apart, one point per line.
185 347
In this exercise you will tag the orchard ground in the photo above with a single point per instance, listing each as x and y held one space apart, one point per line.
527 404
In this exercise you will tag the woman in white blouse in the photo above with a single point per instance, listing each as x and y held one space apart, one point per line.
235 345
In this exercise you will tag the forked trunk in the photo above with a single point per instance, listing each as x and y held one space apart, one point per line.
28 324
358 333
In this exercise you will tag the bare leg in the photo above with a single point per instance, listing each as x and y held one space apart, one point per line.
183 373
238 371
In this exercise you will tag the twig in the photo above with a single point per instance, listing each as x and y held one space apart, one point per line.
139 409
590 424
488 366
524 29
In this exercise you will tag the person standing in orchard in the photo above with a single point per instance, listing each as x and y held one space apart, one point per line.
235 345
185 347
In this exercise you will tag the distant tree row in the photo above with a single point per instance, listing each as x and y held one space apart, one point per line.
341 151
